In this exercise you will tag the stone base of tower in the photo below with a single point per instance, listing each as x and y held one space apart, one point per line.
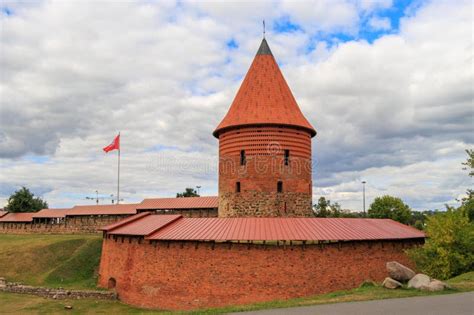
265 204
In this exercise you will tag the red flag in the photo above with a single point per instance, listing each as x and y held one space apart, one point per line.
115 145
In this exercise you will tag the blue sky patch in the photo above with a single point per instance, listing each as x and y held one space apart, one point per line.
232 44
37 159
7 11
284 25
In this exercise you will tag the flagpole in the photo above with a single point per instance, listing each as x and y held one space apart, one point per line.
118 175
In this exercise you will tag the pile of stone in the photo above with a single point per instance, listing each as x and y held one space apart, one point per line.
400 274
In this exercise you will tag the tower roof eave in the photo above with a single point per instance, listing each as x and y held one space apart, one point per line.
219 130
264 98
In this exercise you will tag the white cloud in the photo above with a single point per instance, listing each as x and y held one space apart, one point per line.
371 5
397 112
380 23
324 15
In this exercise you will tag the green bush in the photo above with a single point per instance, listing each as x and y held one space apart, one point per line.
449 249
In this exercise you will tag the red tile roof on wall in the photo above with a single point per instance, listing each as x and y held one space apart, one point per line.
120 209
273 229
264 98
207 202
124 221
146 225
18 217
267 229
51 213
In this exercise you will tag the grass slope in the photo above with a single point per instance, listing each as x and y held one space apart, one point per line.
69 261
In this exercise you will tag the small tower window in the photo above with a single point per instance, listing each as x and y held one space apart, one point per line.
287 157
237 187
242 157
280 186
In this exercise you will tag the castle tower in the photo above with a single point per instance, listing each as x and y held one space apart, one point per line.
264 147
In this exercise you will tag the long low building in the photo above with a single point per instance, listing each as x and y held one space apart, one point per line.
89 218
190 206
51 216
20 217
174 262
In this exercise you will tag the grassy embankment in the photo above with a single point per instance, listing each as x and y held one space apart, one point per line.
71 261
68 261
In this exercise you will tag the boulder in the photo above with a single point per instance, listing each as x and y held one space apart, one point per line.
390 283
434 285
419 281
399 272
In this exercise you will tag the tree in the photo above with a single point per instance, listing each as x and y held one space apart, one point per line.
469 162
418 218
467 203
324 209
23 200
388 207
449 249
189 192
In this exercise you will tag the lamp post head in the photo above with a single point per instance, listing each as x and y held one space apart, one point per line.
364 182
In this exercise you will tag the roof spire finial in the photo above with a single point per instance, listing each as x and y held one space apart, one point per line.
263 28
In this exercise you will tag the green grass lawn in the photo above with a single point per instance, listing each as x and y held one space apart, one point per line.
71 261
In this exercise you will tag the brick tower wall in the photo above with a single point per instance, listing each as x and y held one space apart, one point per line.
264 167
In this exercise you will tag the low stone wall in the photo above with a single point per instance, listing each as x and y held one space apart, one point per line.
55 293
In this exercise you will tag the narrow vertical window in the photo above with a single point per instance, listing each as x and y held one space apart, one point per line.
287 157
237 187
280 186
242 157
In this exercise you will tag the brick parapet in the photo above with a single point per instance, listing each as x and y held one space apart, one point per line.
190 275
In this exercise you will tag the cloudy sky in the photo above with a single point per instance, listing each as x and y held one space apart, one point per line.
387 84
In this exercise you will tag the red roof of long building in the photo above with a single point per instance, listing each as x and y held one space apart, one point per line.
264 98
2 213
103 209
18 217
267 229
179 203
51 213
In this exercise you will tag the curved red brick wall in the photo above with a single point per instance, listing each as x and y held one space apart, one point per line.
264 148
181 276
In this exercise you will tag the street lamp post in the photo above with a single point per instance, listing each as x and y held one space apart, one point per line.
363 194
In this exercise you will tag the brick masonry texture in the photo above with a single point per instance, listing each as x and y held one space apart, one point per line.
190 275
264 167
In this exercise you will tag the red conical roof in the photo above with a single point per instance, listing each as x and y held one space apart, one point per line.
264 98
